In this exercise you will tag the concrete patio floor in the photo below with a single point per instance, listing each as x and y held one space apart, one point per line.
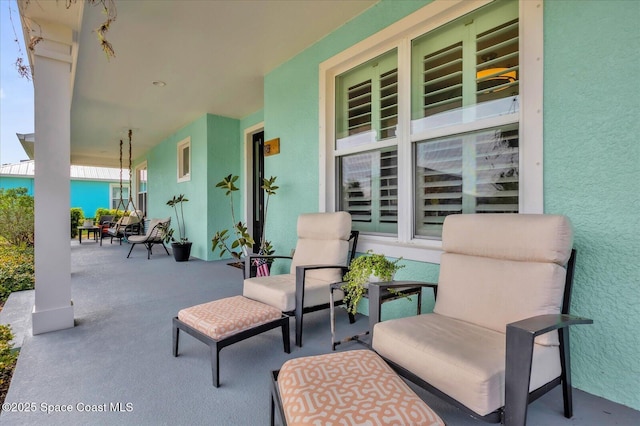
120 353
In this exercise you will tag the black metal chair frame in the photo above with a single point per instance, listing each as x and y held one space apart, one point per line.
300 277
122 232
217 345
519 351
152 239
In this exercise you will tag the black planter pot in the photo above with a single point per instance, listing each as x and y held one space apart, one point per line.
181 252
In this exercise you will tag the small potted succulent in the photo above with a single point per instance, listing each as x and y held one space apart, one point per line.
181 247
363 270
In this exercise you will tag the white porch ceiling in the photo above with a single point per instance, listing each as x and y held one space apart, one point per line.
213 56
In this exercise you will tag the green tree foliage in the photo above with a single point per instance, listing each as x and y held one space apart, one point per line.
16 269
8 356
16 216
77 216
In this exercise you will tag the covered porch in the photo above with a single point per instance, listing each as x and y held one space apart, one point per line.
116 363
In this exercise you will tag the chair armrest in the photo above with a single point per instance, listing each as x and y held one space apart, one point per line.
542 324
248 260
375 296
519 356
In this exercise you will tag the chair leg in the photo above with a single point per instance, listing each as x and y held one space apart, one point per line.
176 338
165 249
286 339
215 364
565 362
131 249
352 318
273 411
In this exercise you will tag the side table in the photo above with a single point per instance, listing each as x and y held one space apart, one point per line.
89 230
385 296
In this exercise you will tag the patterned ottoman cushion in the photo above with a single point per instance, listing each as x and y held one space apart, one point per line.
348 388
225 317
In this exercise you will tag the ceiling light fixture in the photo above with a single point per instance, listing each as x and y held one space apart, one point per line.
159 83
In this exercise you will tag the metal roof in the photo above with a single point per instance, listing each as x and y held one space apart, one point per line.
26 169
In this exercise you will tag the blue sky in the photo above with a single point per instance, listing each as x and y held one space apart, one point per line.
16 93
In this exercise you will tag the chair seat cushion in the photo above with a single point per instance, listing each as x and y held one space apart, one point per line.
280 291
225 317
352 387
463 360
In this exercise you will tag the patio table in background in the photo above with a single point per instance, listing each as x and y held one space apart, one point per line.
89 229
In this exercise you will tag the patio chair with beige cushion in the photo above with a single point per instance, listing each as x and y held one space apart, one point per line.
155 235
321 257
123 227
498 337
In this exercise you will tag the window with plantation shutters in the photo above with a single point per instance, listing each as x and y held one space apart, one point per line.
465 74
367 114
440 113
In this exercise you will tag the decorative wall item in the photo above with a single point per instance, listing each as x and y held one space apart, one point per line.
272 147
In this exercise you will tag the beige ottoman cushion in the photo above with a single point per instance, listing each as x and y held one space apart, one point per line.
225 317
349 388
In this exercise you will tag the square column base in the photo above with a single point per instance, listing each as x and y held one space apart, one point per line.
52 319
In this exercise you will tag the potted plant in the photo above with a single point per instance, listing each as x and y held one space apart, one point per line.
364 269
243 241
181 247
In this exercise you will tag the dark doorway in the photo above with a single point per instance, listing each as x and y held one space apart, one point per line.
258 192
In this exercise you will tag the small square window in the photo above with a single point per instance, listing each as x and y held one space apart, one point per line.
184 160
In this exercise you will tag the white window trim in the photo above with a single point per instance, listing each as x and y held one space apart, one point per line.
185 143
399 36
136 184
113 186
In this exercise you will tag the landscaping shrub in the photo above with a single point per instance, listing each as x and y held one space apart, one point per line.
77 216
16 269
8 358
110 212
16 216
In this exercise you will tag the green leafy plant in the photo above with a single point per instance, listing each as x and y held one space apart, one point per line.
360 271
270 188
8 359
243 242
17 270
77 217
17 216
168 233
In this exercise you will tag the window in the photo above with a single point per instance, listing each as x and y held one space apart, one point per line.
116 195
184 160
141 187
427 119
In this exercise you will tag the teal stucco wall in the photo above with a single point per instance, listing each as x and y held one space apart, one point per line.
214 150
89 195
591 166
592 174
8 182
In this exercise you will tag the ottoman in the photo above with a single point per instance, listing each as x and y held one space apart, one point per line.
346 388
226 321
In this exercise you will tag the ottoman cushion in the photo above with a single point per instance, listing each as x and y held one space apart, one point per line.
352 387
225 317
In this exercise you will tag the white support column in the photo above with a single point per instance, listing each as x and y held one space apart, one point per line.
52 60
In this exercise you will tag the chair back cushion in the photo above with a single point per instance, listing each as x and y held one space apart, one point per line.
157 232
323 239
501 268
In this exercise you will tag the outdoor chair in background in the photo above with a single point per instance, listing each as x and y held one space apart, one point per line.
321 257
498 337
155 235
104 223
123 227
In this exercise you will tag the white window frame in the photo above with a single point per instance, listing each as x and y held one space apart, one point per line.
182 145
114 186
141 166
399 36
